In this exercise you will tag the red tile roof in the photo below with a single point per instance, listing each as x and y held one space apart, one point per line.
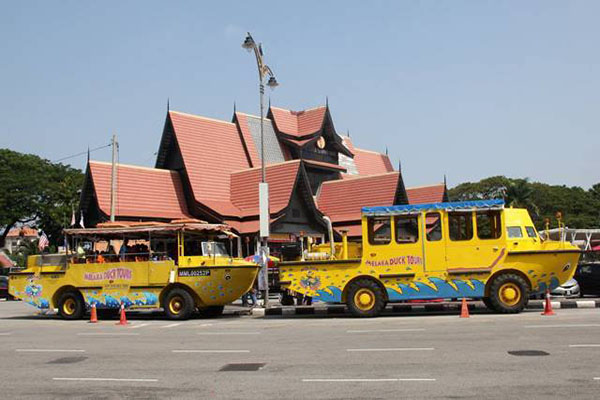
211 151
426 194
242 121
352 230
5 262
141 191
298 123
281 179
371 163
342 200
25 231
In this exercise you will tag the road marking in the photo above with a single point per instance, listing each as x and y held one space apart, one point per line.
49 351
564 326
107 379
384 330
138 326
584 345
228 333
586 303
372 380
171 325
107 334
211 351
597 379
5 333
397 349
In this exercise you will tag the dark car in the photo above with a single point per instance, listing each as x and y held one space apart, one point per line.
4 288
588 277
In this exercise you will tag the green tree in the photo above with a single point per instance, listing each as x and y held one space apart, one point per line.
37 191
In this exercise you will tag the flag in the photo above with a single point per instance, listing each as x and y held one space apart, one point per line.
72 216
43 242
81 220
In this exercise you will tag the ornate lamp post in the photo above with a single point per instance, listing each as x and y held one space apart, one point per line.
263 72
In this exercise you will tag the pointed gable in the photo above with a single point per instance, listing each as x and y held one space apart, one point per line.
298 123
249 127
427 194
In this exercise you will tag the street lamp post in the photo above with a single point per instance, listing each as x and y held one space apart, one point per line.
263 72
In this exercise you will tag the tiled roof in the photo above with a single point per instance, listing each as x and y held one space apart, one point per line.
251 148
352 230
426 194
250 128
298 123
342 200
25 231
371 163
211 151
5 262
281 179
141 191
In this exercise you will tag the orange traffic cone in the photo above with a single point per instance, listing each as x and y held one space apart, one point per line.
123 318
548 304
464 309
93 315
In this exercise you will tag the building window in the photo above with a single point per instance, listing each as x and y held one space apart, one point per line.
407 228
489 225
379 230
460 226
433 226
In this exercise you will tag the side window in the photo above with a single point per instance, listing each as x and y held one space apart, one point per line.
489 225
531 232
514 232
407 228
460 226
379 230
433 226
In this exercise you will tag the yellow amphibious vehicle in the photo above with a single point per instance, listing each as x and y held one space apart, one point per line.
473 249
180 267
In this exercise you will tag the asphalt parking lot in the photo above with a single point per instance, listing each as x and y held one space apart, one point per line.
402 355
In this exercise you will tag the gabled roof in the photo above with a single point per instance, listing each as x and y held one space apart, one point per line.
427 194
249 127
342 200
370 162
211 150
23 231
141 191
298 123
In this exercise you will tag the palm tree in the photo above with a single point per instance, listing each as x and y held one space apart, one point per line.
518 193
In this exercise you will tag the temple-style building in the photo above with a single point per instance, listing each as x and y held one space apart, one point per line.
209 169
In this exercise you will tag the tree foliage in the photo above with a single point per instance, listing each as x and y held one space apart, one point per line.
36 190
580 208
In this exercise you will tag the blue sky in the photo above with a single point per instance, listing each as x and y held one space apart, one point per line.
468 89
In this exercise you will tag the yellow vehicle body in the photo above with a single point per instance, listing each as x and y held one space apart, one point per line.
210 281
476 249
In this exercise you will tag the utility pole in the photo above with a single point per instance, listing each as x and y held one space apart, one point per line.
113 178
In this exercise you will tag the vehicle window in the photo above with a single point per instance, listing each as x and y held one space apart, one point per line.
460 226
407 228
489 225
379 230
217 249
514 232
531 232
433 226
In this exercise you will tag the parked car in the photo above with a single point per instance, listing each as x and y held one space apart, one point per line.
568 289
4 288
588 276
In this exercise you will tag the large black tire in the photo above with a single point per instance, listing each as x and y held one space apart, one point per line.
71 305
211 312
488 303
178 304
365 298
508 293
287 300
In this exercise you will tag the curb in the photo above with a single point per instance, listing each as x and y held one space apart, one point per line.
338 309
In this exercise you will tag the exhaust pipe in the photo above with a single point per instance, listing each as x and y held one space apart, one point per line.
330 230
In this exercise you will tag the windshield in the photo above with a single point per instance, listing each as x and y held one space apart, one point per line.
214 249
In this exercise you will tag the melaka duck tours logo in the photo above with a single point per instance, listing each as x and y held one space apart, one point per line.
111 274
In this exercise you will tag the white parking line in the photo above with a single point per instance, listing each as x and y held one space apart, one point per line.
5 333
211 351
49 351
171 325
384 330
397 349
372 380
228 333
584 345
107 334
564 326
107 379
597 379
138 326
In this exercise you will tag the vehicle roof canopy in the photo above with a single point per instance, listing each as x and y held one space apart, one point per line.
475 205
141 230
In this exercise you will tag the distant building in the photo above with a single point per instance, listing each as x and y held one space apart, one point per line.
18 236
210 169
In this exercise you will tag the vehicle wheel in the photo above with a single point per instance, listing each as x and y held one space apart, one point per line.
71 305
488 303
287 300
508 293
212 311
365 298
179 304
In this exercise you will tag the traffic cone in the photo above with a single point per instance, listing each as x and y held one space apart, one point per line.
548 304
123 318
93 314
464 309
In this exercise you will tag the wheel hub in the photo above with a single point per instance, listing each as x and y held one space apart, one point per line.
175 305
510 294
364 299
